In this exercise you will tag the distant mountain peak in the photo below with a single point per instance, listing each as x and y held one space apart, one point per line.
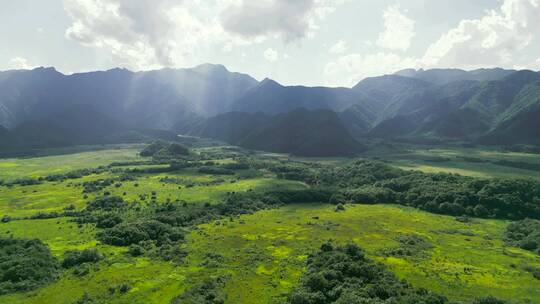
119 70
50 70
270 82
210 68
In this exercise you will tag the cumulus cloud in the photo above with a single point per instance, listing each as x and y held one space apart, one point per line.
499 38
20 63
144 34
271 55
339 48
286 19
136 32
398 30
349 69
496 39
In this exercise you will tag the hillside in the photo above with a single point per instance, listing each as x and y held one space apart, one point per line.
43 108
444 76
299 132
465 110
271 97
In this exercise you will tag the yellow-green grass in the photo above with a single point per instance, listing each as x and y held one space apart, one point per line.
199 193
265 255
16 168
150 280
60 234
418 158
23 201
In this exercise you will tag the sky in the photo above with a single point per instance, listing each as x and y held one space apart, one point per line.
295 42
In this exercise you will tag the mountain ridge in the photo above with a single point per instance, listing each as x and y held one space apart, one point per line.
484 105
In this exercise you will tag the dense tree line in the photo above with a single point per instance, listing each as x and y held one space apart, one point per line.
164 150
374 182
25 265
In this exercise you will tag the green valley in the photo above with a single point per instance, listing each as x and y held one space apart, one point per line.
247 222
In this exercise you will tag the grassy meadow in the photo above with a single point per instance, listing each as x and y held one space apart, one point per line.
17 168
476 162
261 255
264 254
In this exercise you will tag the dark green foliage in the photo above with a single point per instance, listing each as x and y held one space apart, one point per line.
374 182
106 203
489 300
128 233
208 292
344 275
215 170
77 257
25 265
164 150
524 234
135 250
108 220
81 270
73 174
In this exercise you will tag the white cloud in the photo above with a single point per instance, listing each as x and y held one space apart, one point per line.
500 38
271 55
350 69
398 30
20 63
339 48
146 34
283 19
496 39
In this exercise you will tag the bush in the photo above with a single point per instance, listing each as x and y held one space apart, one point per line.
77 257
345 275
208 292
25 265
106 203
128 233
164 150
524 234
135 250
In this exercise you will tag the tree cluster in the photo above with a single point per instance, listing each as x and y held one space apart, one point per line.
344 275
25 265
524 234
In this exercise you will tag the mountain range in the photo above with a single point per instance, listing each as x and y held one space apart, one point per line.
43 107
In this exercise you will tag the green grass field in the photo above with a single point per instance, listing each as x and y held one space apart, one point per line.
15 168
263 254
475 162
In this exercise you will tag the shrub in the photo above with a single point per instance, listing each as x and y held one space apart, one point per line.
25 265
128 233
345 275
106 203
208 292
77 257
524 234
